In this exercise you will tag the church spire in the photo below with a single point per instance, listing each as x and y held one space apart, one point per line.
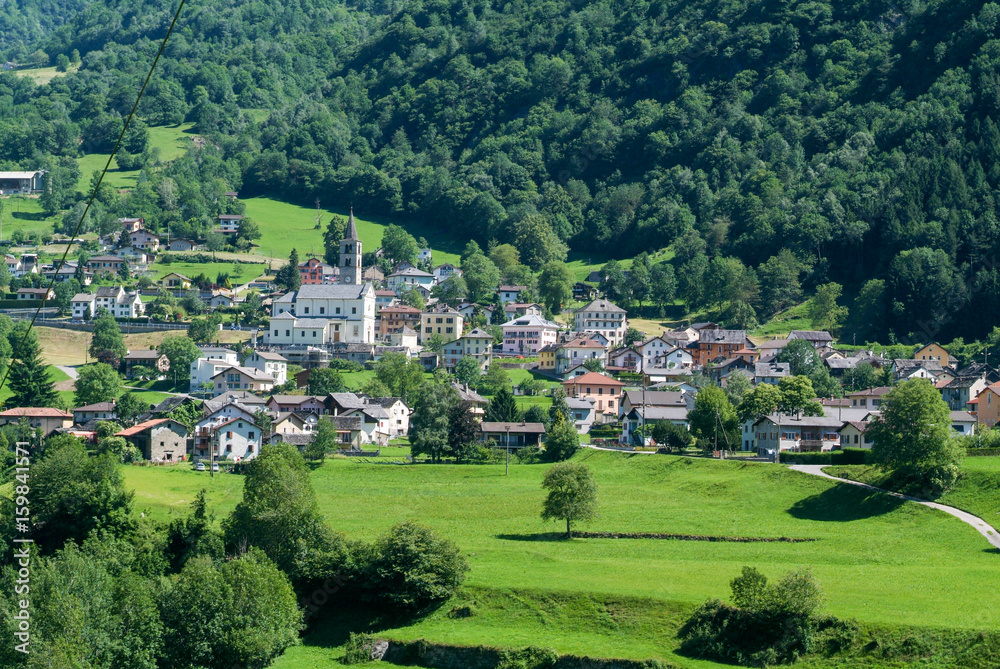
352 230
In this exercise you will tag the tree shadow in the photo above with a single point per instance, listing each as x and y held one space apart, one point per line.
28 215
538 536
331 625
845 503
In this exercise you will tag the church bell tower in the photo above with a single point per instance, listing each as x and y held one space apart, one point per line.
350 254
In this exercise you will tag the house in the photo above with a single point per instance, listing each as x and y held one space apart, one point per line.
512 435
293 423
171 403
510 293
338 403
152 359
917 369
410 277
316 272
385 299
105 263
374 423
525 335
626 359
213 360
66 271
603 317
655 398
159 439
797 433
547 358
671 377
583 291
130 225
477 403
235 439
98 411
424 256
933 351
393 318
771 372
515 309
986 407
114 299
577 351
713 343
639 416
348 434
233 402
723 368
444 272
242 378
770 349
820 339
134 255
35 294
229 223
322 315
26 264
48 419
181 245
373 274
582 411
404 337
961 390
440 320
602 389
175 281
29 181
981 370
963 422
853 434
301 404
398 423
272 364
868 399
145 240
476 344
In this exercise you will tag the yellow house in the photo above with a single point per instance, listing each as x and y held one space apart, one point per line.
441 320
547 358
175 281
933 351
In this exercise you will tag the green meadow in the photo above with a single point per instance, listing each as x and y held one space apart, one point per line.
172 141
248 272
879 560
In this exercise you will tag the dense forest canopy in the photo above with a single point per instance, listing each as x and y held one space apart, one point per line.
783 144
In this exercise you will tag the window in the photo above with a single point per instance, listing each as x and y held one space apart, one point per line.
288 333
354 310
337 311
250 435
322 310
307 310
275 333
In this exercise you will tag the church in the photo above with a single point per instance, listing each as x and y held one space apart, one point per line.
328 314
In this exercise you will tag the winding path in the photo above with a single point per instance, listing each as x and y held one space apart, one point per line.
978 523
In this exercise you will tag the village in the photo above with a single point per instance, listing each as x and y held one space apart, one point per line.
617 383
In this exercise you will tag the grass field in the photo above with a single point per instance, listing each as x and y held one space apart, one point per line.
879 560
285 226
248 272
172 141
43 75
21 212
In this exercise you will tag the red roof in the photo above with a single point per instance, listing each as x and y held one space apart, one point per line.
36 412
142 427
594 379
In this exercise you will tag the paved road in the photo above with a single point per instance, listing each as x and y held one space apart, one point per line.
71 372
981 525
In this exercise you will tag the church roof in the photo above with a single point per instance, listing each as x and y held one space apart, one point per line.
352 230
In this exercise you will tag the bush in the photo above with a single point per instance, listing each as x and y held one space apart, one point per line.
930 483
412 567
358 649
346 365
484 455
528 658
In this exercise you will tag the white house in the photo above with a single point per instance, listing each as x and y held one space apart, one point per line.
114 299
658 352
582 411
445 272
603 317
409 277
374 424
324 314
270 363
527 334
510 293
398 422
476 344
797 433
229 430
213 360
242 378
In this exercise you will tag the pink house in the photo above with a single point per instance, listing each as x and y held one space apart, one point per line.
527 334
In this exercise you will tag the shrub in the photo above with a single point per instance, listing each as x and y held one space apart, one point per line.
346 365
358 649
528 658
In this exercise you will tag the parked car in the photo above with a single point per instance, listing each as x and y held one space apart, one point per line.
215 466
200 467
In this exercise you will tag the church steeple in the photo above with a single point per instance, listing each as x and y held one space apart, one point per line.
350 254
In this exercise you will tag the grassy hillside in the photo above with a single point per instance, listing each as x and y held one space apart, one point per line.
879 560
172 142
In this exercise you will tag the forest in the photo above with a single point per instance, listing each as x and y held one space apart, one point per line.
783 145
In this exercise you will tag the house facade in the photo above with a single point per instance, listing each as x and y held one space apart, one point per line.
603 317
797 433
323 315
159 440
242 378
440 320
477 344
604 390
526 335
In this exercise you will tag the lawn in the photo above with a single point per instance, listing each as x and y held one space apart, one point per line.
43 75
248 272
172 141
284 226
879 560
21 212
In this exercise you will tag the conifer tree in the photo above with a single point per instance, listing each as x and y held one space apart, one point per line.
29 377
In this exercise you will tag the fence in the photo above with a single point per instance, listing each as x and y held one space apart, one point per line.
127 328
361 454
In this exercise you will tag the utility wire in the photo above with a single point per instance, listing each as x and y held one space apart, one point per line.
97 187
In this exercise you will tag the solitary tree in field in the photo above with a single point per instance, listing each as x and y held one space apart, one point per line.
572 494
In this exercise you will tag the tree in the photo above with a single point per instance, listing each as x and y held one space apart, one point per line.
413 567
913 434
467 370
28 378
323 381
65 291
451 291
572 494
430 423
435 342
555 285
248 230
671 436
502 408
288 276
332 237
107 344
399 246
594 365
402 376
375 388
663 285
562 441
129 408
714 417
798 396
761 400
495 379
481 277
463 431
263 420
181 352
324 440
737 385
215 241
824 311
412 297
802 357
97 382
74 494
862 377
